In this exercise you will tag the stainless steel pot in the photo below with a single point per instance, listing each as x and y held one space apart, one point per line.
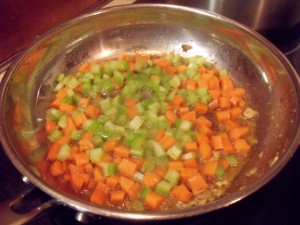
255 64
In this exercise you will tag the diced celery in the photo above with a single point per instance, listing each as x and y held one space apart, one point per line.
136 122
105 104
76 98
97 69
154 107
96 154
72 83
70 92
192 98
109 126
157 148
138 176
220 172
97 140
145 190
175 82
107 86
163 188
109 169
76 135
86 89
136 205
172 176
223 73
191 70
55 135
111 111
58 87
60 77
231 159
62 122
53 114
185 125
137 152
202 91
174 152
64 153
189 155
118 77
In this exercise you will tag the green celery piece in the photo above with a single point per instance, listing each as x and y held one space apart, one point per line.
53 114
58 87
191 70
118 77
55 135
86 89
105 104
174 82
60 77
185 125
136 205
76 135
174 152
145 190
223 73
72 83
139 153
109 169
202 91
136 123
157 148
172 176
138 176
107 86
97 140
231 159
189 155
220 172
62 122
96 154
97 69
76 98
192 98
70 93
163 188
64 153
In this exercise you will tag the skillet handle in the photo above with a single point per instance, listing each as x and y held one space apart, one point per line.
11 217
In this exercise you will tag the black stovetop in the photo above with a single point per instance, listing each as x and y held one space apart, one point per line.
277 203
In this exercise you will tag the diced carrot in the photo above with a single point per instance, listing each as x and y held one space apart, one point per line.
176 165
83 102
202 70
183 109
92 112
167 141
84 68
97 175
202 120
56 168
241 103
67 108
224 163
177 101
137 161
142 58
160 133
98 196
226 83
202 83
239 132
209 168
235 112
170 116
85 145
188 172
230 124
162 62
223 115
241 145
131 112
70 126
190 146
191 162
160 170
153 200
78 180
240 92
65 139
181 68
190 116
78 88
127 168
79 118
197 184
224 102
88 135
191 84
201 108
227 146
129 102
134 191
214 104
205 150
117 196
216 142
202 138
62 93
50 126
126 184
215 93
112 181
122 151
213 83
170 70
151 179
81 158
89 168
53 151
205 130
110 145
181 193
56 103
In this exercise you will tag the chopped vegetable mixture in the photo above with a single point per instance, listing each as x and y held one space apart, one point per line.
148 132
